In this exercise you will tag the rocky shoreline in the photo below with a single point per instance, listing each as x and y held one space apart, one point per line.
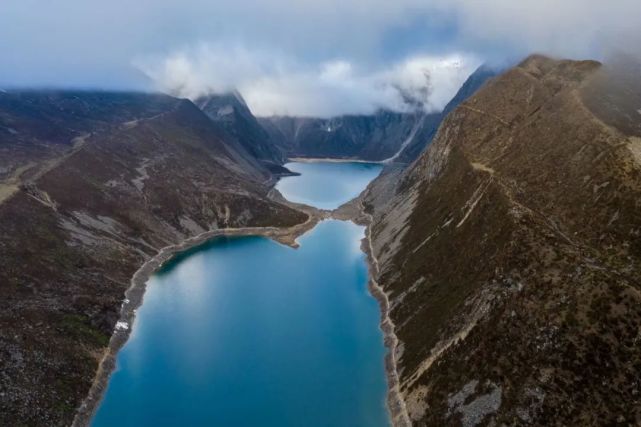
135 294
395 403
355 212
350 211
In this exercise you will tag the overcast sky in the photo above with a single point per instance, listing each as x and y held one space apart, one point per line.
297 56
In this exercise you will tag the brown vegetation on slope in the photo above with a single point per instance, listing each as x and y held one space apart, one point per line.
73 236
514 280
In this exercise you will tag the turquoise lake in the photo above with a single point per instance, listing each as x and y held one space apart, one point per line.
244 331
327 185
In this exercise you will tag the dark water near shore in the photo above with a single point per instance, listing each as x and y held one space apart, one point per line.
247 332
327 185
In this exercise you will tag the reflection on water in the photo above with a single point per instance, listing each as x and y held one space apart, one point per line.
327 185
247 332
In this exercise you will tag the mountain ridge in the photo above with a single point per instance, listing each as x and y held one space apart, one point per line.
508 252
232 114
85 215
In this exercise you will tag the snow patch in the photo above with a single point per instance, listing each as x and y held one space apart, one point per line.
121 326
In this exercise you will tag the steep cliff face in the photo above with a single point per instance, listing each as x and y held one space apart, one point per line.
366 137
511 253
74 233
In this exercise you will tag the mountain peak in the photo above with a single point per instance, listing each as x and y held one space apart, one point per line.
230 111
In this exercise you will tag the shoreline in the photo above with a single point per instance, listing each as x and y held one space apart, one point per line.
352 210
399 416
331 160
134 297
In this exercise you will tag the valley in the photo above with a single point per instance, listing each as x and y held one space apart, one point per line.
233 312
502 237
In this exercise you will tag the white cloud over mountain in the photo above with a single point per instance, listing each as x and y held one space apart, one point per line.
342 55
274 84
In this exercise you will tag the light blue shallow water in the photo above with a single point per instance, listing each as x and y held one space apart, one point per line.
327 185
247 332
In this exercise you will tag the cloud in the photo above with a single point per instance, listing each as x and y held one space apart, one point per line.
275 84
575 28
326 49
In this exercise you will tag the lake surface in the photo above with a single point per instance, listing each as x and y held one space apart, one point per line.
244 331
327 185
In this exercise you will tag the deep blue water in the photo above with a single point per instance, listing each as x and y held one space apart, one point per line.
244 331
327 185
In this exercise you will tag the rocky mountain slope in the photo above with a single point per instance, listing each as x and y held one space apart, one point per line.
511 253
365 137
240 126
36 126
431 122
114 178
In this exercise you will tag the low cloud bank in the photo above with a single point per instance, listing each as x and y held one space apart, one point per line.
274 84
299 56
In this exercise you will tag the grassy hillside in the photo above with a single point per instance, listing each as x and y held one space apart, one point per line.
74 233
511 253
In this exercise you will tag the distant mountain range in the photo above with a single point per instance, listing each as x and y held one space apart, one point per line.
385 135
367 137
